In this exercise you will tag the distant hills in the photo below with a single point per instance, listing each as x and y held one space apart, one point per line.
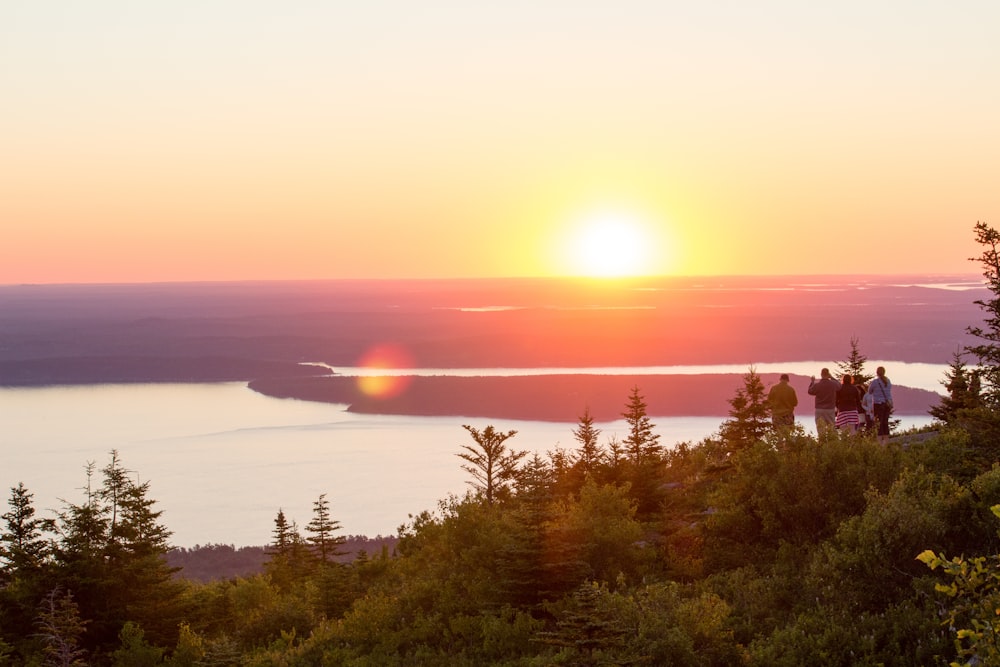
261 332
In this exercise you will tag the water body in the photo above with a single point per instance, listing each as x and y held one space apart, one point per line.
222 459
906 374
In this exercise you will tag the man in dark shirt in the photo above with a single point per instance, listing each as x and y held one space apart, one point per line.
825 391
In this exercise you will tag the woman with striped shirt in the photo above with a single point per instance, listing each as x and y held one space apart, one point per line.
848 405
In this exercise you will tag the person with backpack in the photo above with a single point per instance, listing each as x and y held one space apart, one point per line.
881 391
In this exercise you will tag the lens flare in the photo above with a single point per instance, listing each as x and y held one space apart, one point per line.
386 361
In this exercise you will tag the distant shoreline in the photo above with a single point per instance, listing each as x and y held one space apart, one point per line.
554 398
262 332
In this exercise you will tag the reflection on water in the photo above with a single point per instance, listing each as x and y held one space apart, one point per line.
222 459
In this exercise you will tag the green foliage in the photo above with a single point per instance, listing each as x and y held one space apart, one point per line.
326 545
791 490
491 463
870 561
987 352
585 631
135 651
963 387
22 548
748 414
60 628
600 530
899 635
854 365
974 590
642 444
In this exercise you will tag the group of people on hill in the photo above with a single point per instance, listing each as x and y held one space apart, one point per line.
842 405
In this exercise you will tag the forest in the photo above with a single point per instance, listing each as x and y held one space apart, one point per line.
760 545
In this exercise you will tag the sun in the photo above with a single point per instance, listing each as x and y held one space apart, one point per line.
611 245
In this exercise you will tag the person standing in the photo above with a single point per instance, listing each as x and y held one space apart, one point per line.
848 405
881 391
782 401
867 409
825 392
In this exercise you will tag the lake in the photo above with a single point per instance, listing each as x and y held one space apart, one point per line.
222 459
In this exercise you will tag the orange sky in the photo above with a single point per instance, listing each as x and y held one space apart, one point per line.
229 140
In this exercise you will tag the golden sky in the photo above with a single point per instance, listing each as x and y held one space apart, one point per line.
242 139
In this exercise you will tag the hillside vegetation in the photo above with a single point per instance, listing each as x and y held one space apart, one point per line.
760 546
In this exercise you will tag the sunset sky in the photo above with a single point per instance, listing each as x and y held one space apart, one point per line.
242 139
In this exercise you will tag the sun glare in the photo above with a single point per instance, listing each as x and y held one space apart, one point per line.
611 246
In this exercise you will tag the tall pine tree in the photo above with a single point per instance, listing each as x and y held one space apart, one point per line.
748 415
492 464
987 352
641 444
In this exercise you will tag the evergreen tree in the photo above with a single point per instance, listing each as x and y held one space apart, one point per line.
526 564
112 555
326 545
24 566
748 416
963 391
22 549
854 365
59 629
585 631
491 463
83 527
282 543
589 456
615 458
290 557
135 651
641 444
988 352
331 595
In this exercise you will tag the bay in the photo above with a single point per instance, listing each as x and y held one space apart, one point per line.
222 460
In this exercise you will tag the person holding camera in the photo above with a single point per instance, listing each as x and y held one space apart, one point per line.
825 392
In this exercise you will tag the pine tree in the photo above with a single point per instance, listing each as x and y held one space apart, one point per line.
963 391
24 566
585 631
326 545
641 444
22 548
854 365
589 457
282 539
60 628
748 422
491 463
112 555
290 558
988 352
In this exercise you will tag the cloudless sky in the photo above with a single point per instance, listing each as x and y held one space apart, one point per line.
242 139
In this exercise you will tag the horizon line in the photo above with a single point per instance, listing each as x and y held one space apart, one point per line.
977 277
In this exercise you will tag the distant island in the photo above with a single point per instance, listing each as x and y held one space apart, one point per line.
260 333
560 398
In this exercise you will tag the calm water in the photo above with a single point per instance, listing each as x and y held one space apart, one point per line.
221 459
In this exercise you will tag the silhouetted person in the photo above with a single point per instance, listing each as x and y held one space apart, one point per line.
825 392
881 391
848 405
867 409
782 401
